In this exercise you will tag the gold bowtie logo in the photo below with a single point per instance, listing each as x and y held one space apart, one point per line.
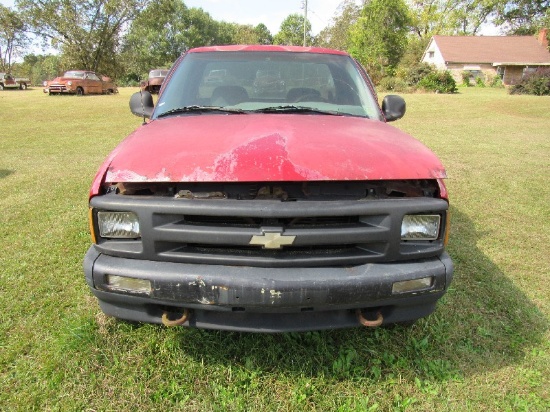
272 240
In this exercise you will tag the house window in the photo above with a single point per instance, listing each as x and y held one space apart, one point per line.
431 54
500 71
528 70
476 73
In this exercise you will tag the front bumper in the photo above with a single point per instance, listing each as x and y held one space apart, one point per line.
59 89
266 299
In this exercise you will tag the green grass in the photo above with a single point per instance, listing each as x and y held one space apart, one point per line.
486 347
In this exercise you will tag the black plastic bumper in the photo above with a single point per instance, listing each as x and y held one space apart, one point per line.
267 299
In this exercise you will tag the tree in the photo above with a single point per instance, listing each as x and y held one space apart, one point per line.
12 37
450 17
248 34
291 32
263 34
165 30
39 67
524 16
336 34
379 37
87 32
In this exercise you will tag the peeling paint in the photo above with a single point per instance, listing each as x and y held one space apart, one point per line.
278 147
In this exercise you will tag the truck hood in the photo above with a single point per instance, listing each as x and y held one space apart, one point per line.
268 147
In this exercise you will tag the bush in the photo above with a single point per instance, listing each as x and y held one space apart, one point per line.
480 82
439 82
466 75
413 74
537 83
495 81
394 84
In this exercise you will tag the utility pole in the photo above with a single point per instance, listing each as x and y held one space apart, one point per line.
305 21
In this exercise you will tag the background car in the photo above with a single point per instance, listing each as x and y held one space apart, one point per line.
80 82
154 82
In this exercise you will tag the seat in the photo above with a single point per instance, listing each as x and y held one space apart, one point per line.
301 94
228 95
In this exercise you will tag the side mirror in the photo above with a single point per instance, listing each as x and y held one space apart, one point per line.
393 107
141 104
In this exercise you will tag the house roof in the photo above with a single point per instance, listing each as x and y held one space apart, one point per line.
492 49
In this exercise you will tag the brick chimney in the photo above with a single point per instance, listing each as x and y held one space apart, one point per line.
543 37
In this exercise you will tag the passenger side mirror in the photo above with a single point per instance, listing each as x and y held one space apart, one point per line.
393 107
141 104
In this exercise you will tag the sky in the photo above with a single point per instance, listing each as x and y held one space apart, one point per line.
269 12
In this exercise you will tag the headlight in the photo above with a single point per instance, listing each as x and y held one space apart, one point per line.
69 83
118 225
420 227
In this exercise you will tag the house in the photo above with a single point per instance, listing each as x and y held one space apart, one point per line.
510 57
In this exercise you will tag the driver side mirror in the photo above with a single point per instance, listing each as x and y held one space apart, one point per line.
141 104
393 107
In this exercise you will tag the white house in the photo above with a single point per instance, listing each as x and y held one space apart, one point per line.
510 57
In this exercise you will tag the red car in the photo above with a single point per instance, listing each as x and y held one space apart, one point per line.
238 208
80 82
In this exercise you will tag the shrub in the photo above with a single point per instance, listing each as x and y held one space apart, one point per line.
480 82
495 81
466 75
439 82
394 84
413 74
537 83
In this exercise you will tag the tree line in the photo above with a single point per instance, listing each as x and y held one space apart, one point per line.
126 38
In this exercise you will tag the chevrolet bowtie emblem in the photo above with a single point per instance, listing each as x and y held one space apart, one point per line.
272 240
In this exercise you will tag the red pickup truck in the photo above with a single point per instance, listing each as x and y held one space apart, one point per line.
286 208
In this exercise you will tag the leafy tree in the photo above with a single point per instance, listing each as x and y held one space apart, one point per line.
450 17
165 30
291 32
87 31
379 37
263 34
524 16
336 34
13 38
248 34
39 67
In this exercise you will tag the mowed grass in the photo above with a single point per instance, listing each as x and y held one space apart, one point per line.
486 347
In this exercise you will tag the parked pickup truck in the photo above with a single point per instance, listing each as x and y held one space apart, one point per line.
250 208
154 81
7 81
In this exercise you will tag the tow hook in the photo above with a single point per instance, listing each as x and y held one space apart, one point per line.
177 322
369 323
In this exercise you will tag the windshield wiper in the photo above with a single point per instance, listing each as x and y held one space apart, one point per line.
201 109
296 109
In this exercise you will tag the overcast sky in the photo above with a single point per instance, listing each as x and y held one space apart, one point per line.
269 12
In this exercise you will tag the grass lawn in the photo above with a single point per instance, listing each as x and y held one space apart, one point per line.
487 347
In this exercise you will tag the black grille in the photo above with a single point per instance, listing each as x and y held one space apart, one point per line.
296 222
324 233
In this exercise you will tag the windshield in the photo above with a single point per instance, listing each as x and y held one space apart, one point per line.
158 73
74 75
256 81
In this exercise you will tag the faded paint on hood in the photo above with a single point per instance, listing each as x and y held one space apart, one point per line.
65 79
268 147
